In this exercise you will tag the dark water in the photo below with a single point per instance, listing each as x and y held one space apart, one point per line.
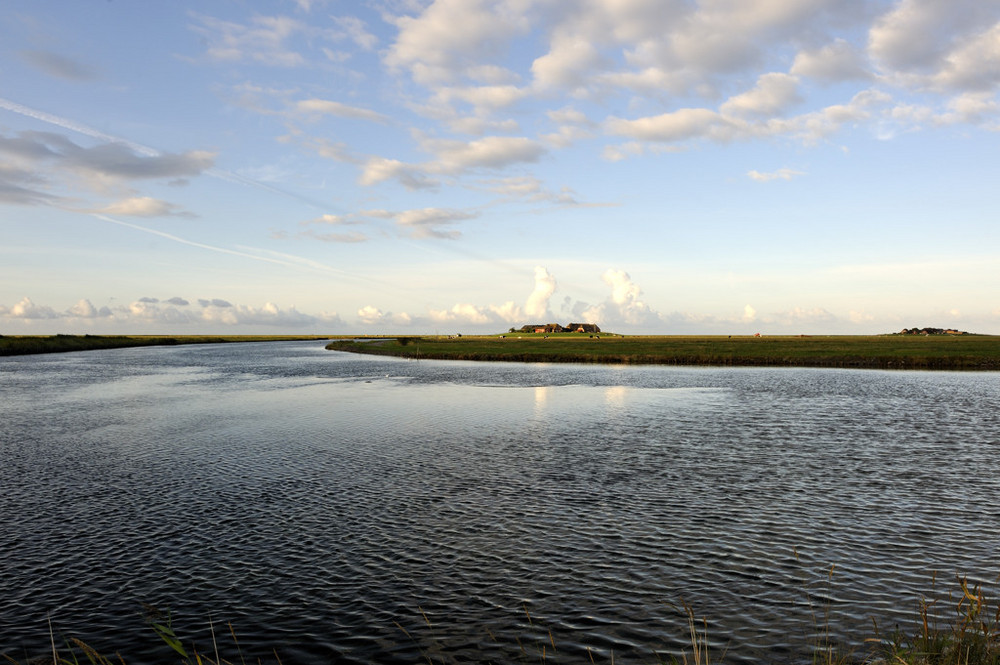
337 508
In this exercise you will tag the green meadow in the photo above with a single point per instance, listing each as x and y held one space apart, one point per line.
965 352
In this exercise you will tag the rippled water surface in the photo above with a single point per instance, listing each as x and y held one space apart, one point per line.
338 508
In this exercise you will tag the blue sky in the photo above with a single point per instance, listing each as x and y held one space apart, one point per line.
654 166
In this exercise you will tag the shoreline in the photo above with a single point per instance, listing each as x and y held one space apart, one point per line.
896 352
965 353
19 345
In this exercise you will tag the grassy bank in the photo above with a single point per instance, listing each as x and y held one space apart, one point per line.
967 352
15 345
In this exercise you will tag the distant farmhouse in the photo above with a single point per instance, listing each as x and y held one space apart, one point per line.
556 328
931 331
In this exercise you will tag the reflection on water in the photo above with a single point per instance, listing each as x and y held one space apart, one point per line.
614 396
323 502
541 398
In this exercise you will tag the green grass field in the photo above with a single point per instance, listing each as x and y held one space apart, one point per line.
967 352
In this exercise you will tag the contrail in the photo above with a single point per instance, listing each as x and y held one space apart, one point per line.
288 260
77 127
192 243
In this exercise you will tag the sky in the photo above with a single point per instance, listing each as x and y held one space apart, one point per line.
468 166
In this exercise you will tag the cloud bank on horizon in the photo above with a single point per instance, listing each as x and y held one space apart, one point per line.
713 166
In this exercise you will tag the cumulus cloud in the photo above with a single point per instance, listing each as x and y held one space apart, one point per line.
537 305
268 315
623 306
772 95
217 303
411 176
463 313
831 63
149 311
369 315
652 53
453 157
27 309
677 125
449 38
84 309
491 152
941 44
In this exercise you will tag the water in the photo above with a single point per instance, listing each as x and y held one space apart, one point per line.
346 509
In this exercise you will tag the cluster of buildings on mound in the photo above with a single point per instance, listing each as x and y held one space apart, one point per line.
931 331
556 328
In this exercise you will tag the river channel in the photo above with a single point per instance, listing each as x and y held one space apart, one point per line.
336 508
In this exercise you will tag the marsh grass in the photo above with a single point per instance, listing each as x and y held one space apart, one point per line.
968 352
970 637
15 345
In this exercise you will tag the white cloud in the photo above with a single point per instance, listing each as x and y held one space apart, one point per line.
432 222
84 309
454 158
537 305
973 65
949 44
832 63
508 312
172 312
450 38
26 309
357 31
624 306
772 95
411 176
780 174
370 315
484 98
462 313
318 107
975 108
568 64
491 152
144 206
264 40
678 125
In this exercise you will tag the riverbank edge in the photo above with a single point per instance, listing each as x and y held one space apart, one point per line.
17 345
972 353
